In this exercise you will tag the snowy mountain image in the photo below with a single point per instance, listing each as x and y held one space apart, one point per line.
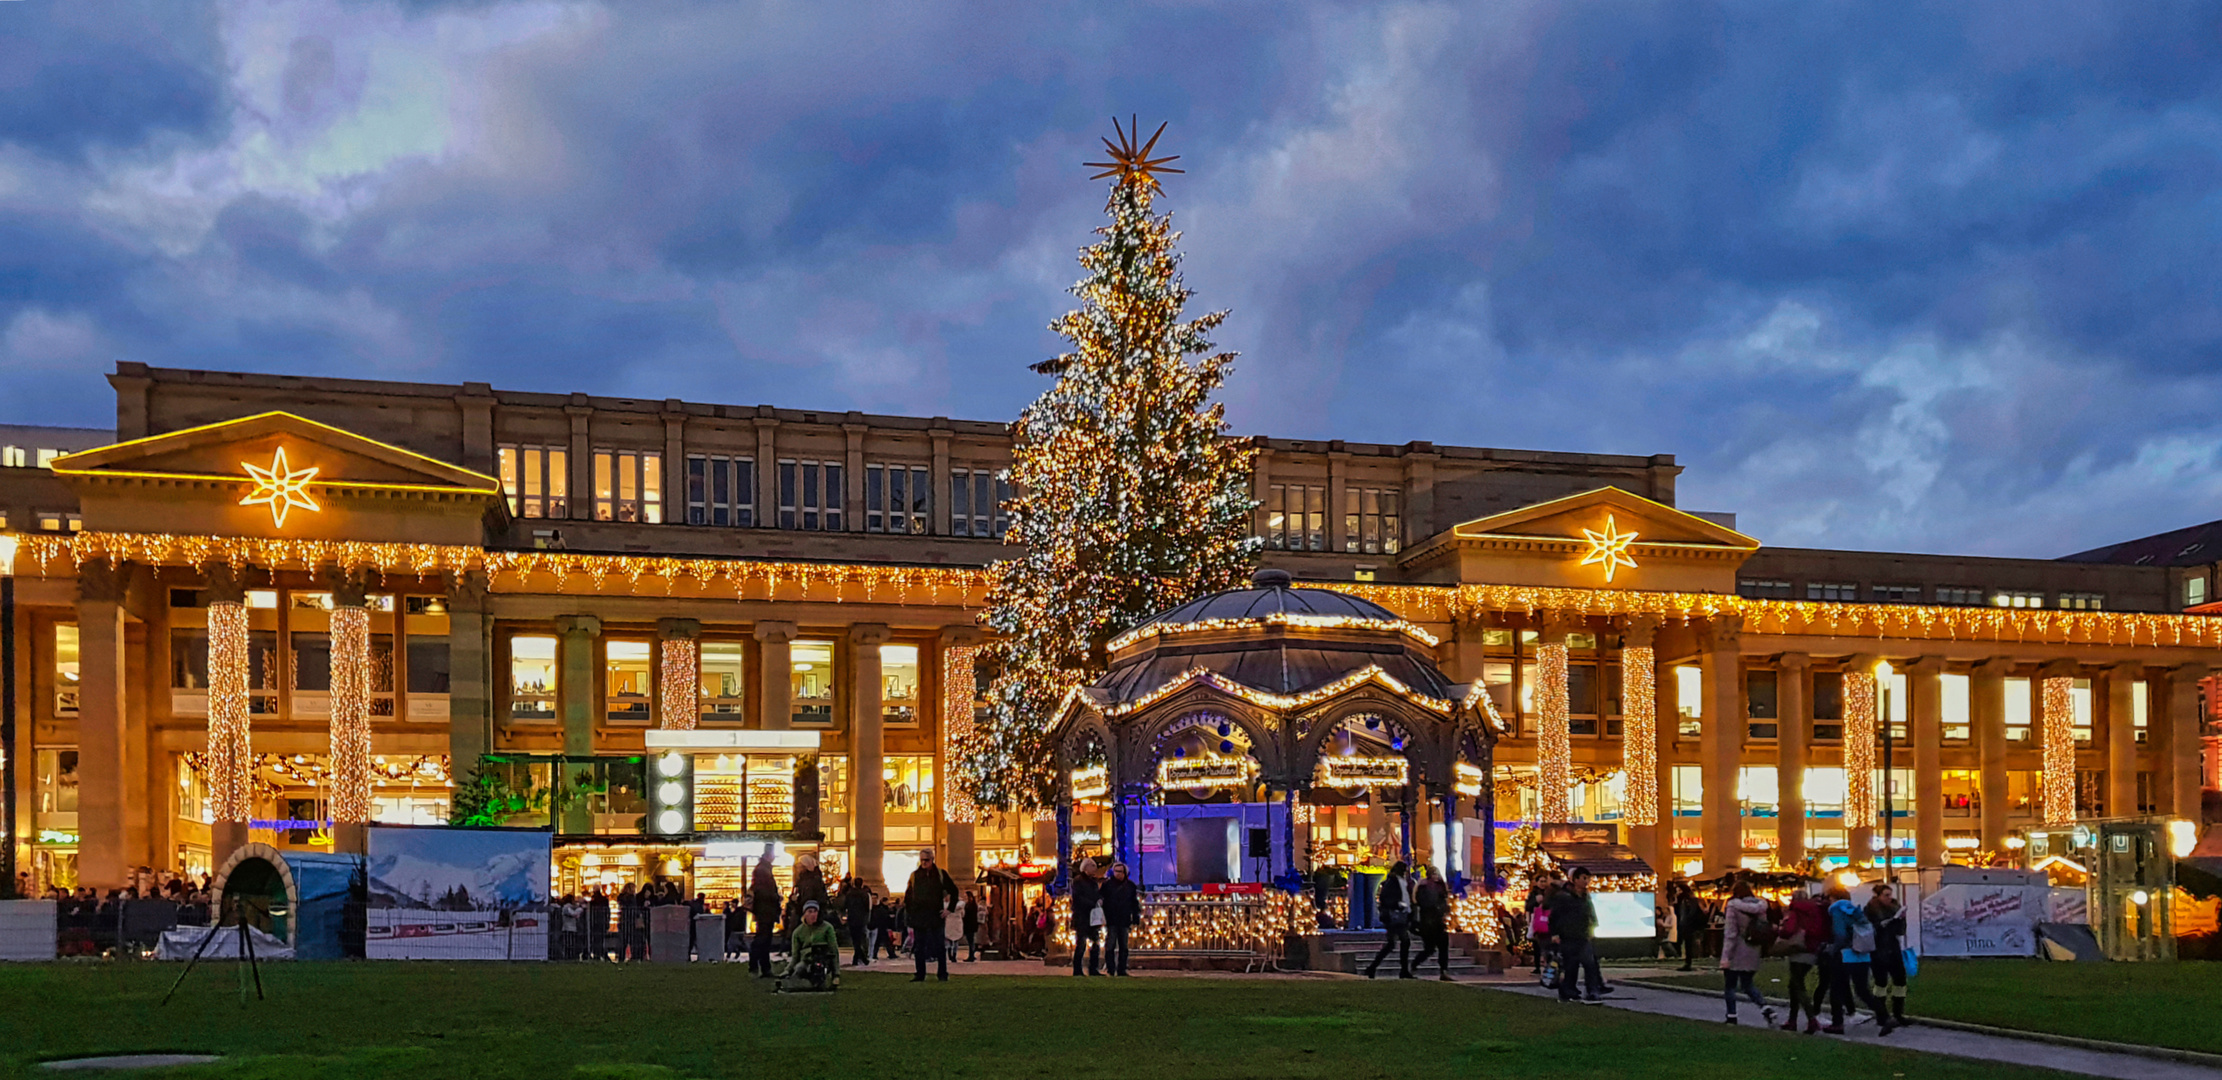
458 869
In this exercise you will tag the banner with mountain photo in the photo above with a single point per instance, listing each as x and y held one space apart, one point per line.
438 893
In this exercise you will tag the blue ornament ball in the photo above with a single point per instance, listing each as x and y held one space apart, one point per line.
1226 746
1180 751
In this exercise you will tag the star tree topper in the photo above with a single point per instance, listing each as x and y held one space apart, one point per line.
280 488
1609 548
1130 163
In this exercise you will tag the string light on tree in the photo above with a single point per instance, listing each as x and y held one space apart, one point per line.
1131 499
1859 747
679 682
958 685
1639 744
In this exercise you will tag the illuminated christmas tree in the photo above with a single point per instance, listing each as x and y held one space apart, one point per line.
1130 498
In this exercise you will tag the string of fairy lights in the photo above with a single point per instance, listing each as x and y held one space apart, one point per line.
1639 743
1554 743
679 678
958 686
1859 746
350 720
2058 734
229 738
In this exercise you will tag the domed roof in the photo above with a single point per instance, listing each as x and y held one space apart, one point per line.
1272 592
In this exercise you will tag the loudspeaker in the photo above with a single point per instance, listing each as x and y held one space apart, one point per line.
1261 843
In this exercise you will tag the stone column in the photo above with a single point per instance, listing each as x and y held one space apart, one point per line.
958 646
1986 707
1665 705
678 674
675 460
1419 491
1639 734
1925 686
1862 717
101 857
1554 752
470 693
1793 733
2181 742
348 730
1338 480
852 478
230 737
2121 738
1261 484
2056 741
575 689
775 695
767 478
867 752
1723 741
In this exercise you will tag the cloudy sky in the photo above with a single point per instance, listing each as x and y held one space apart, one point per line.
1934 278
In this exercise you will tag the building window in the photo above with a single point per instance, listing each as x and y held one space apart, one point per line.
2194 590
909 784
1831 590
1960 594
1828 706
532 677
1296 518
2139 717
1370 520
625 681
58 521
2018 710
899 684
1759 791
1762 589
537 480
628 486
2083 601
2016 599
810 496
976 498
1953 699
13 457
810 686
1689 791
2079 708
721 491
1760 703
1581 698
66 669
1897 594
1689 701
897 499
724 681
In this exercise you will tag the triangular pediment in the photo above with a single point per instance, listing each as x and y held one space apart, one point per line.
1609 512
232 451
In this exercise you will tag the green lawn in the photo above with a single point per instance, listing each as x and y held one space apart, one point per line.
2174 1005
562 1021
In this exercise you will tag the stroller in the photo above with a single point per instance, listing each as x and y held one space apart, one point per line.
812 973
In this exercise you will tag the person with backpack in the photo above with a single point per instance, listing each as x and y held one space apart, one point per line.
1745 938
1803 937
1851 950
1539 929
1889 917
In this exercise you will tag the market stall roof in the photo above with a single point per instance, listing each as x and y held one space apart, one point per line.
1601 860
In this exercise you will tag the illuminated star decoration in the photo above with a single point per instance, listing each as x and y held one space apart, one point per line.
1132 164
279 487
1609 547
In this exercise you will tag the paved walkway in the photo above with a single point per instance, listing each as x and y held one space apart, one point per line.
1927 1039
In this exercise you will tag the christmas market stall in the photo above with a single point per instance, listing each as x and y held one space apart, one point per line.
1227 729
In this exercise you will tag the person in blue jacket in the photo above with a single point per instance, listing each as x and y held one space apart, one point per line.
1850 951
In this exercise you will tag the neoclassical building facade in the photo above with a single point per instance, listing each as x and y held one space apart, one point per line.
274 608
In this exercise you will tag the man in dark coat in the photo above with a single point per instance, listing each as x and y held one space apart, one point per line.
1573 918
927 900
597 923
1087 933
763 902
1122 910
1431 913
856 906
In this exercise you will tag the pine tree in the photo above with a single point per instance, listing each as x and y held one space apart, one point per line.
1130 498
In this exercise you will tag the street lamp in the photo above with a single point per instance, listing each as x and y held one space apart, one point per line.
8 544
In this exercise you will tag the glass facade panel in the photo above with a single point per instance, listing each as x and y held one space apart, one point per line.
532 677
811 682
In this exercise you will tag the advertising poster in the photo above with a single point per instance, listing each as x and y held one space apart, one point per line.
1982 920
458 894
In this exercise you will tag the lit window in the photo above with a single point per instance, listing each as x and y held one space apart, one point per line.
2079 707
1689 700
2083 601
1838 591
976 499
1824 791
13 457
1371 522
721 491
59 521
625 679
1763 588
810 496
1953 702
2137 709
532 677
628 486
811 682
1960 594
2009 598
899 684
1759 790
65 669
1689 790
724 677
46 457
537 480
909 786
898 499
2194 591
2018 710
1296 517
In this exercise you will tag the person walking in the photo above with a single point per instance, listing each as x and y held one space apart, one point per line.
1431 911
856 906
597 924
927 900
1122 911
1851 948
971 927
1745 935
763 904
1805 931
1087 917
1690 921
1573 918
1889 919
1395 905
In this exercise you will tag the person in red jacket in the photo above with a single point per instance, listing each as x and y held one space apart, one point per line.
1804 932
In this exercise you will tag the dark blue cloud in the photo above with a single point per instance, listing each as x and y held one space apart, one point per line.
1919 275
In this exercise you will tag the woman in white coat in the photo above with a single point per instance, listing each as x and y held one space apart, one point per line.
1744 939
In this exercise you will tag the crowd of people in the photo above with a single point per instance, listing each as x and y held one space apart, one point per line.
89 922
1852 954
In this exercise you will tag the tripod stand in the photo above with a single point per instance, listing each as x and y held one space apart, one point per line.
246 952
